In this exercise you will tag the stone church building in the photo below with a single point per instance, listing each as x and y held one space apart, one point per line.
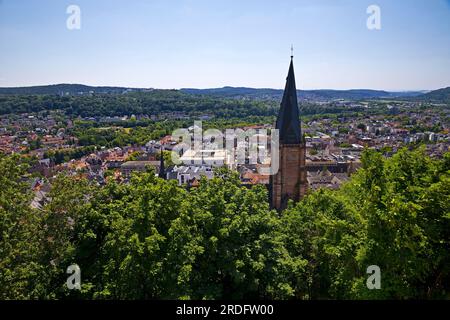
290 182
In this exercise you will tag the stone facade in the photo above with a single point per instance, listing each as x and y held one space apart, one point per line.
290 181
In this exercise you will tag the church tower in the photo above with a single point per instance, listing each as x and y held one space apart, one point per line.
290 180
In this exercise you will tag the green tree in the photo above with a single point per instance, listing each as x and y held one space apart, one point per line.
404 201
323 232
19 234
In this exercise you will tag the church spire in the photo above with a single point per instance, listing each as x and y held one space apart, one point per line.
162 171
289 182
288 122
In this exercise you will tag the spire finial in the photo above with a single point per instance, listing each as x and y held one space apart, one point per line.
292 51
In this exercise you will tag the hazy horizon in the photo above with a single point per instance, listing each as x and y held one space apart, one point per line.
226 86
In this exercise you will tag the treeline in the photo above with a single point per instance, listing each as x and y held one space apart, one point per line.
119 137
157 102
63 88
150 103
151 239
64 155
91 133
437 96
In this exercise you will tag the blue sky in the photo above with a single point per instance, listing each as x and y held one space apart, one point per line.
212 43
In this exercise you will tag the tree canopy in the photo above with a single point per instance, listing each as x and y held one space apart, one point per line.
151 239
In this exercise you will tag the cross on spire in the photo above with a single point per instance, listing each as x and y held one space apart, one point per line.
292 51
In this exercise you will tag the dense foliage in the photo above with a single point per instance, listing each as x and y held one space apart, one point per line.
149 103
163 102
440 95
152 239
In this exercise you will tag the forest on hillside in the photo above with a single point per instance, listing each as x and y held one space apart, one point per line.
159 102
148 103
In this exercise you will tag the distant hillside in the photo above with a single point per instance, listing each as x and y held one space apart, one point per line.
225 92
61 89
355 94
324 94
439 96
234 91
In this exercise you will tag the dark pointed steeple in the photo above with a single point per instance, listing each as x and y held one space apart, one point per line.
288 122
289 182
162 170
